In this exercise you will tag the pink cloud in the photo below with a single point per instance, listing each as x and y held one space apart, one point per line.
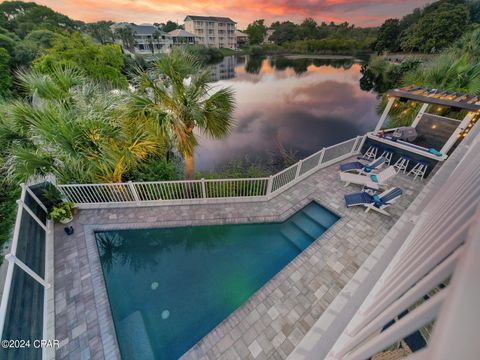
358 12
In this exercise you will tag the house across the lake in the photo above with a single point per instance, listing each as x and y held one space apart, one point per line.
182 37
242 39
213 31
147 39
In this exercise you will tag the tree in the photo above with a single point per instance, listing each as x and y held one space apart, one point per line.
284 32
101 31
308 29
7 43
436 29
100 62
5 77
74 129
177 96
155 36
474 6
125 34
170 26
34 45
388 36
22 17
256 31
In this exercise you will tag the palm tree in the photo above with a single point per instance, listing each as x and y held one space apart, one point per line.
176 95
125 34
156 37
449 71
74 129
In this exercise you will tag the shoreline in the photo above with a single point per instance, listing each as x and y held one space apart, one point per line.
326 57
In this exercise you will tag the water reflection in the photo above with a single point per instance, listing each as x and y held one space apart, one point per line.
223 70
302 104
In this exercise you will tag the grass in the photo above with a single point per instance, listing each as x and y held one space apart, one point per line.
227 52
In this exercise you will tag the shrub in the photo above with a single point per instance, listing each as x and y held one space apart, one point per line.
61 212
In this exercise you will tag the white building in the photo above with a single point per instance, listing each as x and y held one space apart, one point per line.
182 37
147 39
150 40
212 31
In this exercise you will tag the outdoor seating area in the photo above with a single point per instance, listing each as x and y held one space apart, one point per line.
430 138
375 174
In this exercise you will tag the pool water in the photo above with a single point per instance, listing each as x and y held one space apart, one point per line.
169 287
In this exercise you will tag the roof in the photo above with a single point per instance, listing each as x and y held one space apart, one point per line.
238 33
210 18
438 97
146 30
180 33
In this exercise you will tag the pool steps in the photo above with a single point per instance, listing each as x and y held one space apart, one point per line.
306 226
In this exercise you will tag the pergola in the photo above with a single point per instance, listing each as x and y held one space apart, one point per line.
426 96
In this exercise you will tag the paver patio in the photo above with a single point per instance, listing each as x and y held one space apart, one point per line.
274 319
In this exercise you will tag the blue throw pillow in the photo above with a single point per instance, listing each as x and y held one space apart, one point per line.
367 168
374 178
377 200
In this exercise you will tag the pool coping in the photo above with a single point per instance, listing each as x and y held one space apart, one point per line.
107 326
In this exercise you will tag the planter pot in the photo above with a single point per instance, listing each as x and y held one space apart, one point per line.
66 221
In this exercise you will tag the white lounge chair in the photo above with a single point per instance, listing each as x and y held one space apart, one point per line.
362 168
372 181
374 202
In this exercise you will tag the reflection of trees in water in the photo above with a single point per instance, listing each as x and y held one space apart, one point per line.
114 248
141 250
301 65
254 64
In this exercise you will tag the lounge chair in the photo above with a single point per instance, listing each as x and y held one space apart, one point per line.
357 166
372 181
374 202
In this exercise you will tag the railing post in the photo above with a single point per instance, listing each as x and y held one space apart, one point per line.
299 167
355 144
269 184
131 186
204 191
320 159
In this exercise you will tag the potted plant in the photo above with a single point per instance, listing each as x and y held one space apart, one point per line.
62 213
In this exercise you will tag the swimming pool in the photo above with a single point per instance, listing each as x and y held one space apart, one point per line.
169 287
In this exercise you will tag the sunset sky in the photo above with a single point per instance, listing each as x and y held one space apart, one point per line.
358 12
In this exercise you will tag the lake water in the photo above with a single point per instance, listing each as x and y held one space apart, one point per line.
298 105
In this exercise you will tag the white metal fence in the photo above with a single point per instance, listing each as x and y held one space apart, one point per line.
433 277
168 192
24 298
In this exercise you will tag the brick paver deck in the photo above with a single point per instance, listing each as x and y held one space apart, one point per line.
267 326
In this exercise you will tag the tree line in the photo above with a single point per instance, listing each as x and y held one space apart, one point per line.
428 30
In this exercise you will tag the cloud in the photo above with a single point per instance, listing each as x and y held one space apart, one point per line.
358 12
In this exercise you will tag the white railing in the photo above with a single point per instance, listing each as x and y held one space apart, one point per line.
170 192
20 256
433 276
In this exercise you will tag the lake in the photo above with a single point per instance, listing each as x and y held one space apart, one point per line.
288 105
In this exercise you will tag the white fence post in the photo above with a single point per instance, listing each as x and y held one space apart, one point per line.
269 185
299 167
320 159
131 186
204 191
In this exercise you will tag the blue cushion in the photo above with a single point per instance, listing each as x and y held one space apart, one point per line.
376 199
434 152
367 168
374 178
